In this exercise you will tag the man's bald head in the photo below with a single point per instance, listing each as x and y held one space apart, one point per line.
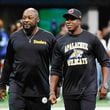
31 10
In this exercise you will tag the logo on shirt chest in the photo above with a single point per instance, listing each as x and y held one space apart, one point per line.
39 42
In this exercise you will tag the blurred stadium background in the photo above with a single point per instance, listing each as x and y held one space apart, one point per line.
95 14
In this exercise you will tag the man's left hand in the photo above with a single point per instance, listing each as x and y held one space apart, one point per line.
102 93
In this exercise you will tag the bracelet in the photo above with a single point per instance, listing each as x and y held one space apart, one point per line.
105 85
52 93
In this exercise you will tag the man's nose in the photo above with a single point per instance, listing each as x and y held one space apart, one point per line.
26 19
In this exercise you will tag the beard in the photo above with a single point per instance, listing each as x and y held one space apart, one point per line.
29 29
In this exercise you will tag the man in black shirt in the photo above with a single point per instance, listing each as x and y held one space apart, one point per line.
76 53
26 67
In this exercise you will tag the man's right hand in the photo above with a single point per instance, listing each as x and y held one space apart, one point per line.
53 98
2 94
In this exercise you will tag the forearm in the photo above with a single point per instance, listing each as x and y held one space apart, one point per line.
54 79
105 73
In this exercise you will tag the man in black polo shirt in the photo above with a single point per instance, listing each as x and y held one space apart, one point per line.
26 67
76 53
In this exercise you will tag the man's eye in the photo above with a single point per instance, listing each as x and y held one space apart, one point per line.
28 18
31 17
23 18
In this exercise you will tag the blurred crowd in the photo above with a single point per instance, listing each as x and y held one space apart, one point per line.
4 37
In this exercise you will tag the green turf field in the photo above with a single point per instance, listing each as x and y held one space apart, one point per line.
100 103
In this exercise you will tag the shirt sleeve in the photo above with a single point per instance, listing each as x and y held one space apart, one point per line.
101 53
57 61
7 69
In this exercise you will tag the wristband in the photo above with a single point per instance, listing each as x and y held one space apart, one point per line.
52 93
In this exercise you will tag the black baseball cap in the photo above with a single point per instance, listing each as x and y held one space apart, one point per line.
75 13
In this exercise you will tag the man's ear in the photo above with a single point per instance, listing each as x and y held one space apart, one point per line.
79 21
38 20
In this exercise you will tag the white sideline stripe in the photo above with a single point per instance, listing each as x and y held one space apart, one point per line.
61 108
98 108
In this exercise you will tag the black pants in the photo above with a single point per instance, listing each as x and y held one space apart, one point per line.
18 102
83 103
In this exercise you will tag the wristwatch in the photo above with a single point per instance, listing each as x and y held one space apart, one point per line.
105 86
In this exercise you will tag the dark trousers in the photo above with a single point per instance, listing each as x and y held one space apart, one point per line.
87 102
18 102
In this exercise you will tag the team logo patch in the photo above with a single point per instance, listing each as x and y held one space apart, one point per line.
71 11
39 42
76 54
